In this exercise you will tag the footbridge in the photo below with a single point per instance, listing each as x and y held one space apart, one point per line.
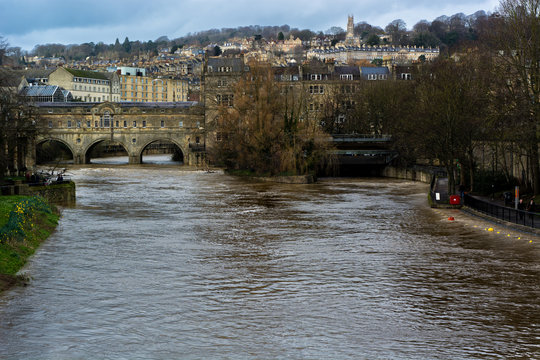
363 149
133 126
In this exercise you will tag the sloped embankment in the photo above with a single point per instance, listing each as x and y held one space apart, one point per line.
25 222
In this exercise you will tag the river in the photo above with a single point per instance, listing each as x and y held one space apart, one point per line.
154 262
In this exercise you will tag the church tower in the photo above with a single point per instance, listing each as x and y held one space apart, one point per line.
350 39
350 26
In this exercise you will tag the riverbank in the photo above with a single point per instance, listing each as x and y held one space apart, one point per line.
25 222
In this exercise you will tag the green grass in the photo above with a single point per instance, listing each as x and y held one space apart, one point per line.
35 222
6 205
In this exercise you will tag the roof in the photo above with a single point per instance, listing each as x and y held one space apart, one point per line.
237 64
87 74
347 70
39 90
146 105
374 70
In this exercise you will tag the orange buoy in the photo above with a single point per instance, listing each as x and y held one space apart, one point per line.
451 218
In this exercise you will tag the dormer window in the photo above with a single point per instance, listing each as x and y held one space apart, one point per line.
316 77
346 76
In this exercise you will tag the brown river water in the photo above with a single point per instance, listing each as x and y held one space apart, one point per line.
155 262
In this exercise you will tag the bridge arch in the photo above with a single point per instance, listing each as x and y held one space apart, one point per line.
45 155
87 151
182 151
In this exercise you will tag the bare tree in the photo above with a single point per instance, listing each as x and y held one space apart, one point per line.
19 124
264 130
515 44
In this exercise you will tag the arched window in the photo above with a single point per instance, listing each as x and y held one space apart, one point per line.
107 119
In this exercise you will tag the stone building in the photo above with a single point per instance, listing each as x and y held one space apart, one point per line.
88 86
149 89
217 88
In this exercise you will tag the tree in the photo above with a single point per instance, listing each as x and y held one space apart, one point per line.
3 49
216 51
126 45
397 28
280 36
373 39
515 44
335 30
449 113
19 123
265 130
421 27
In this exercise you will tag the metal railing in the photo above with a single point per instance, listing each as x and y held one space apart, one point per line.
520 217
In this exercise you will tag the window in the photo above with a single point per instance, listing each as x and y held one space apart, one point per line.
383 76
162 123
346 76
144 123
78 124
88 123
372 77
405 76
69 124
180 124
50 123
107 119
316 77
316 89
96 124
198 124
135 123
125 123
225 99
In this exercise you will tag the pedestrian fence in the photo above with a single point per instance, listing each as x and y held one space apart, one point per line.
520 217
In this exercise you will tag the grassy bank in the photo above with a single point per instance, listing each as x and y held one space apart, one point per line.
24 223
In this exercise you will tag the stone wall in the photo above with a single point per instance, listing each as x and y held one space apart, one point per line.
63 194
407 174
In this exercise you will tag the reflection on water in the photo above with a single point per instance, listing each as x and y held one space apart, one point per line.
156 262
159 159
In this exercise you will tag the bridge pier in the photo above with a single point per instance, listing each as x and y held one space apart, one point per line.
134 159
78 159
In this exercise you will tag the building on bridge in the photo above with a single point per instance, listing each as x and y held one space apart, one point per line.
80 127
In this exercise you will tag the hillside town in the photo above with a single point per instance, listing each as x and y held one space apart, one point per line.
174 75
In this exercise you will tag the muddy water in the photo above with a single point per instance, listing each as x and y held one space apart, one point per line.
154 263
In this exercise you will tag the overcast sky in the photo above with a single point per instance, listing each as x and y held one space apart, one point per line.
26 23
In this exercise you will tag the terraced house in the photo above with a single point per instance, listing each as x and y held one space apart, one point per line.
148 89
88 86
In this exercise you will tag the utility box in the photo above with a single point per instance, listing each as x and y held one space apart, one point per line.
455 200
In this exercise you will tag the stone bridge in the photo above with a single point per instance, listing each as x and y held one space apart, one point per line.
134 126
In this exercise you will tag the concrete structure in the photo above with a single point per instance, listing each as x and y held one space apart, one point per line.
134 126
